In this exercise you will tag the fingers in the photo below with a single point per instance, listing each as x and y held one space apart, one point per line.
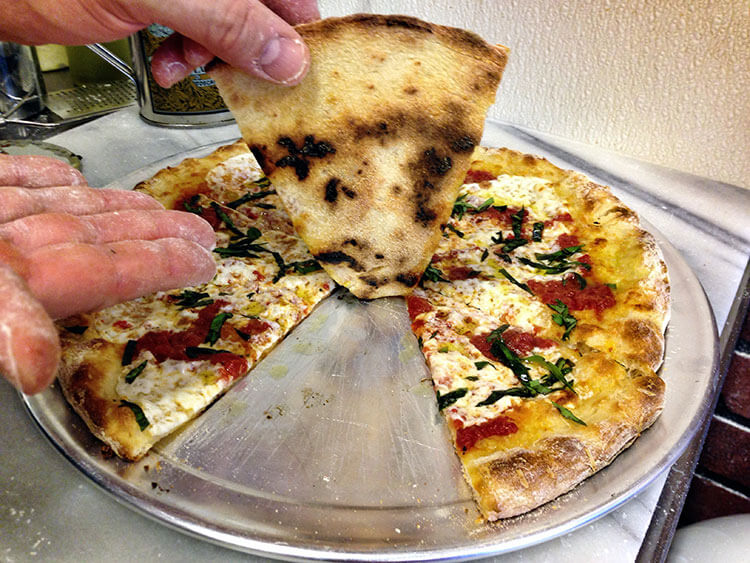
34 231
295 11
20 202
33 171
29 348
244 33
73 278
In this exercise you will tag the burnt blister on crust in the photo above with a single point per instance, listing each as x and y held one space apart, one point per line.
338 257
299 157
331 190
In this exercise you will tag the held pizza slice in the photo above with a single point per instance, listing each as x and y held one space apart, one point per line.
368 151
137 371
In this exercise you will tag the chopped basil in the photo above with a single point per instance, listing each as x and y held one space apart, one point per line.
214 331
249 197
507 357
225 219
263 182
245 336
189 299
568 414
192 206
472 378
458 233
140 418
537 230
450 397
486 205
279 259
498 394
511 244
129 353
562 254
305 266
243 245
516 222
135 372
580 279
444 349
562 317
433 274
612 286
485 254
483 364
514 281
461 206
194 352
554 369
550 269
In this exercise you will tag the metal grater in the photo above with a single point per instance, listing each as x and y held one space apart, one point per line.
90 100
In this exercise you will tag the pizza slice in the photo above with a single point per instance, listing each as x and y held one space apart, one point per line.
139 370
541 317
368 152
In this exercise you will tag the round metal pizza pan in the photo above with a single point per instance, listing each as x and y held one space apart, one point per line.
332 448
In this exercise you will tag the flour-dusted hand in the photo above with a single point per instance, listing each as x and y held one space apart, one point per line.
253 35
73 249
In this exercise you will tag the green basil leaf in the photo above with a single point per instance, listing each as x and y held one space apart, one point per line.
450 397
135 372
214 331
140 418
568 414
129 352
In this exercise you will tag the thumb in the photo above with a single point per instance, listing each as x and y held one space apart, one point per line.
29 347
243 33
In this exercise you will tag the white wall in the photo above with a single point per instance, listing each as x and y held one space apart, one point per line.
664 81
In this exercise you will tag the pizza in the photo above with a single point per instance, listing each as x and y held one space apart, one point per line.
137 371
541 317
377 137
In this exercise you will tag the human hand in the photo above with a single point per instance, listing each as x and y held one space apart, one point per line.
253 35
71 249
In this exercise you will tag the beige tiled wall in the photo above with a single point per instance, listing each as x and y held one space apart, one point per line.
667 81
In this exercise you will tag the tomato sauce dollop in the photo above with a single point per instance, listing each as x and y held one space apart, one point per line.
172 345
467 437
478 176
595 297
416 306
519 341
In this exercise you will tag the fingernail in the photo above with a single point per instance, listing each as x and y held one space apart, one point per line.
171 73
284 60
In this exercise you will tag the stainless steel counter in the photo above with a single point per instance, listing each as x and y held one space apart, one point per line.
48 509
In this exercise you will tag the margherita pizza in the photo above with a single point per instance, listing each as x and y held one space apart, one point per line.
541 318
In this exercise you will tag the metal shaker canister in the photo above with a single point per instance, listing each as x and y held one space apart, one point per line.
21 86
192 102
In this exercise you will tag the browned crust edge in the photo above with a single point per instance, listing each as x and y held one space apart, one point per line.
525 478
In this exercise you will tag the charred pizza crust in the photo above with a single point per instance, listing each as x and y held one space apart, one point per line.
369 150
